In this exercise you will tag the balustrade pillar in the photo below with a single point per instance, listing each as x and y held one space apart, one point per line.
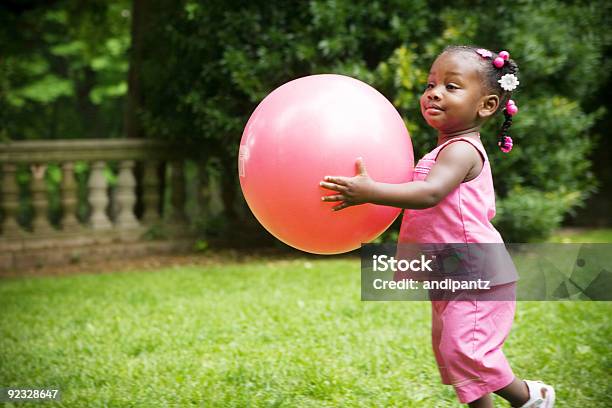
150 192
126 196
40 201
98 197
203 193
10 201
68 191
178 192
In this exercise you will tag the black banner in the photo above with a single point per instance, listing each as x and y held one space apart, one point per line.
549 271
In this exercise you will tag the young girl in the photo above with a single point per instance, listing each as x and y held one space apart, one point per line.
451 200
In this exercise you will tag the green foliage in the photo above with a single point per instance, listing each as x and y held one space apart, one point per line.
63 69
530 215
156 231
207 64
227 57
201 245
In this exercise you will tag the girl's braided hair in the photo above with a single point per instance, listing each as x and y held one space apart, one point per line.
490 76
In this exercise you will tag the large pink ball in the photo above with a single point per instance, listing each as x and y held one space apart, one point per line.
310 128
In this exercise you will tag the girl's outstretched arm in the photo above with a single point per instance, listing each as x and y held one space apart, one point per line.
454 163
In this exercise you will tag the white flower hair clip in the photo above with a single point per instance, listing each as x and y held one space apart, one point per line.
484 53
509 82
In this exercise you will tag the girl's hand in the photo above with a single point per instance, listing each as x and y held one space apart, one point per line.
353 190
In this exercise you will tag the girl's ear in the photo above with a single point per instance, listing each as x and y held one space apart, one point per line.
488 106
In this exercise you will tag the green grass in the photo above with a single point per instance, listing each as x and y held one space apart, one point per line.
581 236
266 333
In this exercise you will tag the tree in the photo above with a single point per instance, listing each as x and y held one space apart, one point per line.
199 68
225 57
63 68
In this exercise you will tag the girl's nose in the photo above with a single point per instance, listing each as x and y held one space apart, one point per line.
433 94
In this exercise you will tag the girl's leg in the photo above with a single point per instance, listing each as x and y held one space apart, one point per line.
484 402
516 393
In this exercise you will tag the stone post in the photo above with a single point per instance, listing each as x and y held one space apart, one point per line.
40 201
203 195
177 199
126 196
69 199
98 197
10 201
150 193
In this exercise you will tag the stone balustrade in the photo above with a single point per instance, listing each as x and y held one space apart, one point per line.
111 218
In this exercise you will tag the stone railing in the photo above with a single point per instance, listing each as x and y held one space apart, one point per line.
111 218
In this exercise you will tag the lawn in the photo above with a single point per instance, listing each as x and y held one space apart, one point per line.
276 332
602 235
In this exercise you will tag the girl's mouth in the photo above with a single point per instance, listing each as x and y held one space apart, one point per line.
433 110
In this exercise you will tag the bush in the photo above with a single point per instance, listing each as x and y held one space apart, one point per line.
529 215
224 59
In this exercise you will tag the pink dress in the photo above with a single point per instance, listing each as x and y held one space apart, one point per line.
467 335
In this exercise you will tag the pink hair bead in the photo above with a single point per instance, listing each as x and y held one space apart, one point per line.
506 145
498 62
512 110
510 102
505 55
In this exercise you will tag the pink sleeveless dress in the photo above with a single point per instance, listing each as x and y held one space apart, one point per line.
464 216
467 335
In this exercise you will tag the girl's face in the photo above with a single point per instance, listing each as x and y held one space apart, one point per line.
455 99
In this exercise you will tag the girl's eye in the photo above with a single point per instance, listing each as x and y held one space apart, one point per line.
451 86
429 86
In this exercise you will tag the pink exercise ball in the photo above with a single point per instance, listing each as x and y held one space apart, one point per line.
310 128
